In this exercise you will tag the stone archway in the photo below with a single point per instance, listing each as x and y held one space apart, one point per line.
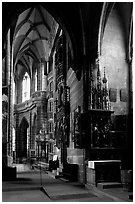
22 139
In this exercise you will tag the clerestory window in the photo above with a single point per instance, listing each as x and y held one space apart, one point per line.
36 80
26 87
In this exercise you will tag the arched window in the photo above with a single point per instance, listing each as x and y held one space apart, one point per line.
51 86
26 87
36 80
14 93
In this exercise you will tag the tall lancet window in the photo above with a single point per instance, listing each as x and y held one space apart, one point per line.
36 80
26 87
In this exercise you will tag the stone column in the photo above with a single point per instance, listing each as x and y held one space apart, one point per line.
17 137
9 83
30 139
130 116
8 57
38 77
11 104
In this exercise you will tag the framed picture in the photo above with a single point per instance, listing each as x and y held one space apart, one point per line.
113 95
123 95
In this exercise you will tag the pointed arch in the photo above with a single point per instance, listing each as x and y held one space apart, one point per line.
106 10
22 139
24 122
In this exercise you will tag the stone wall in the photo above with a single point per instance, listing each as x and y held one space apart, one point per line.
75 155
113 58
76 90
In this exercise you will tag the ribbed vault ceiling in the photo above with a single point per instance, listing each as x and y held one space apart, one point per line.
34 32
